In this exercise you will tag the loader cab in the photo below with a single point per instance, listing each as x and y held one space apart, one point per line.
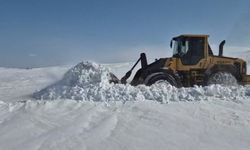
190 48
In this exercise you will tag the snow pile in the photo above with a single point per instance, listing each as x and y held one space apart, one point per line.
77 83
90 82
27 124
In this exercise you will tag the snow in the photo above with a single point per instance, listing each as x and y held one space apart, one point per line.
90 82
82 110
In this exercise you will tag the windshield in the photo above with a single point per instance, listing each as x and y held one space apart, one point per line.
180 48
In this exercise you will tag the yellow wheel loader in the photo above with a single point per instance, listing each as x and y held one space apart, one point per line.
192 63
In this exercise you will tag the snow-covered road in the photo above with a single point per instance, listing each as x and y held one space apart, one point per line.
189 120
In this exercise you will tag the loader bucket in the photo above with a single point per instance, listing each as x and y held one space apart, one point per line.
113 78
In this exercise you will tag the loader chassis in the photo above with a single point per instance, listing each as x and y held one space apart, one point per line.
192 63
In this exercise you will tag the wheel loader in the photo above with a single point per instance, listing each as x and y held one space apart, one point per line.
192 63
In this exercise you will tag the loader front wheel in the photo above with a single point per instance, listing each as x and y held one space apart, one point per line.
160 77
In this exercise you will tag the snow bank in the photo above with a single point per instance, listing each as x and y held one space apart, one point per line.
90 82
135 125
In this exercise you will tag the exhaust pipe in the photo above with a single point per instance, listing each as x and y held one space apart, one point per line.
221 48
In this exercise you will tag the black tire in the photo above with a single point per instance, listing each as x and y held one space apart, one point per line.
153 78
222 78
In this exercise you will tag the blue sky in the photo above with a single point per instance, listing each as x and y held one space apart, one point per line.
51 32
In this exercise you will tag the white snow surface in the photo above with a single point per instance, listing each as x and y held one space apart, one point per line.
81 110
90 82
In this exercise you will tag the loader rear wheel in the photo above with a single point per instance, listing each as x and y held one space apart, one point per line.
160 77
222 78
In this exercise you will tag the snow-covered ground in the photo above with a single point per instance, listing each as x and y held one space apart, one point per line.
81 110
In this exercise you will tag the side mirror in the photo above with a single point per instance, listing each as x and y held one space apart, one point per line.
171 43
